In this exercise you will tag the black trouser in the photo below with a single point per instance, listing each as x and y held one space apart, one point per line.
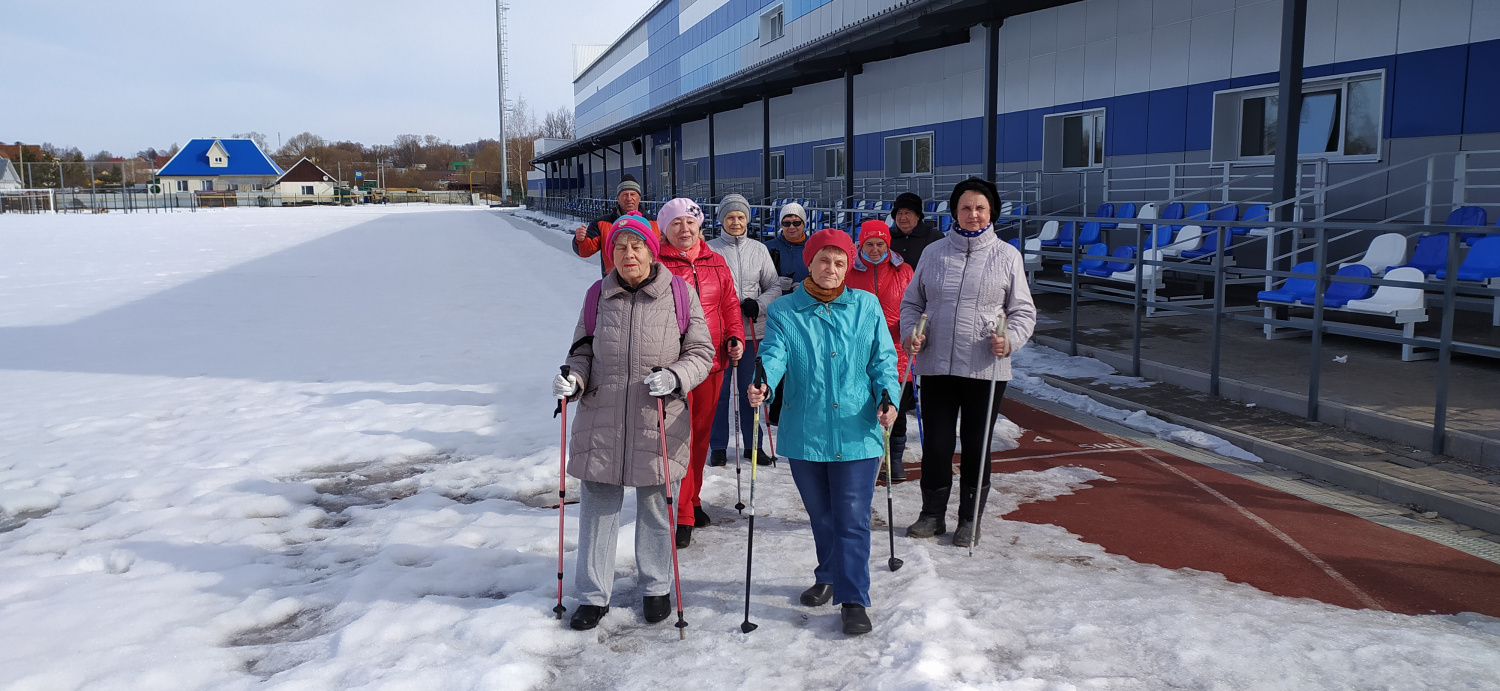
908 402
944 398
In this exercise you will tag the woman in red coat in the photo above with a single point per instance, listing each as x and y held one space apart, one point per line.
876 269
688 256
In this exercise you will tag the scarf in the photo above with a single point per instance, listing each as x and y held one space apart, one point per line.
969 233
819 293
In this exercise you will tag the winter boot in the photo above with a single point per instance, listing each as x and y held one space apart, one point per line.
684 536
967 532
700 518
587 616
818 595
763 459
856 621
898 449
931 522
718 458
656 607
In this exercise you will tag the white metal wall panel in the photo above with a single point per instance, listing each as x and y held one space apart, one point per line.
1368 30
918 90
1133 63
1169 55
1043 80
809 113
1427 24
1486 21
738 130
1322 32
1169 12
1043 32
688 16
1203 8
1098 69
695 137
1257 39
1069 75
1207 58
1134 16
1101 21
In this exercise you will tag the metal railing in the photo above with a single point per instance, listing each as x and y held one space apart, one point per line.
141 201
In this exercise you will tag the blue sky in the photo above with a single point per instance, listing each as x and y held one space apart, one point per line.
125 76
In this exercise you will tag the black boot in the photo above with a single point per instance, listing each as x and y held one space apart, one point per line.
931 521
587 616
700 518
762 458
718 458
856 621
967 532
656 607
898 449
684 536
818 595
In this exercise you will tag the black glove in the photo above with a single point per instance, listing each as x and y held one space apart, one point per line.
750 309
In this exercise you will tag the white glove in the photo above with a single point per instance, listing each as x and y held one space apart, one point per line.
787 285
566 387
662 382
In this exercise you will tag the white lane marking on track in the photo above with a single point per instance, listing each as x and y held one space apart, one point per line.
1078 452
1339 578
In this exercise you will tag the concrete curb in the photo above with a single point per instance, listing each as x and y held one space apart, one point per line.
1456 508
1457 443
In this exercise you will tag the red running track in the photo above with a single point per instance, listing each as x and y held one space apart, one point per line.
1166 510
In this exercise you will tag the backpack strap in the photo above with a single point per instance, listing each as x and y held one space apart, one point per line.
683 303
591 308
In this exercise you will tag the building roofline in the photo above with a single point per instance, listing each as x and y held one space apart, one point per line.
621 38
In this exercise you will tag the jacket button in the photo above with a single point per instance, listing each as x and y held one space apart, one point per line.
835 405
838 455
835 353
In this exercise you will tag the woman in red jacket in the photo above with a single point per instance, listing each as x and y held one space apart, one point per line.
876 269
688 256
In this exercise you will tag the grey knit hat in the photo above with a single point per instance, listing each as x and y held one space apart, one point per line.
793 209
628 183
733 202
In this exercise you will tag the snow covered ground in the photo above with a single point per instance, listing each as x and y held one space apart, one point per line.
314 448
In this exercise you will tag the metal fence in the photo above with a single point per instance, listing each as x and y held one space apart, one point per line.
140 200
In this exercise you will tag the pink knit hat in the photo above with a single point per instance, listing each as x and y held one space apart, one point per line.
680 206
631 223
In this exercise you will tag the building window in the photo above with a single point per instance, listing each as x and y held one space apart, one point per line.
770 25
908 155
778 165
307 190
208 185
690 173
182 185
828 162
1073 141
1341 117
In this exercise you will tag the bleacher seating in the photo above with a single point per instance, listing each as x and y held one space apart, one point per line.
1099 250
1126 210
1110 268
1049 232
1253 213
1430 256
1106 210
1064 234
1088 234
1385 251
1294 289
1392 299
1339 294
1482 263
1224 218
1148 271
1469 216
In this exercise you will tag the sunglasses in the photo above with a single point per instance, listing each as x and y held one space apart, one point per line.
790 224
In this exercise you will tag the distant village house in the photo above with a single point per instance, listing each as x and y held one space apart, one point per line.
220 165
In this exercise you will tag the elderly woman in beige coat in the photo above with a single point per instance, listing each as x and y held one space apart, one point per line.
642 339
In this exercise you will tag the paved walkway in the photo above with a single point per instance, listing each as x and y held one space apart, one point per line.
1249 524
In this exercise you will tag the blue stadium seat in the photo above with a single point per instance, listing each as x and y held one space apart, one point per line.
1483 262
1197 212
1064 234
1469 216
1339 294
1097 249
1295 288
1254 212
1126 210
1431 255
1109 268
1106 210
1225 216
1088 234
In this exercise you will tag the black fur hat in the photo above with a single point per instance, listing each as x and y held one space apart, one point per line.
979 185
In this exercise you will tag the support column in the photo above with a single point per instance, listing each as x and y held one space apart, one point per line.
713 179
645 170
991 96
676 139
591 173
1289 102
849 73
765 149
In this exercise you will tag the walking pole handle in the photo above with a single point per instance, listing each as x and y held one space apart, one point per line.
921 330
760 372
566 370
885 400
732 340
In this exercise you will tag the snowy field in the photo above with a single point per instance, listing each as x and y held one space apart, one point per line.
313 448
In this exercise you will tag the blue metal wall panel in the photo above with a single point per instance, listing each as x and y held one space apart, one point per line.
1125 125
1429 92
1482 97
1166 125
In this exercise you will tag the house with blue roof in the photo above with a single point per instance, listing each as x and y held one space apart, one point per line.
219 165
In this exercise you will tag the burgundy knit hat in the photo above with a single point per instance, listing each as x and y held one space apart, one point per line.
827 237
631 223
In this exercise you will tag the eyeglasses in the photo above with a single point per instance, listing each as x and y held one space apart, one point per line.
791 224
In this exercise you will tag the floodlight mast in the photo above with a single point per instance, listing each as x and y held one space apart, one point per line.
500 8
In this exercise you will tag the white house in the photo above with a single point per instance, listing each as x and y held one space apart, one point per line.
306 179
9 179
215 164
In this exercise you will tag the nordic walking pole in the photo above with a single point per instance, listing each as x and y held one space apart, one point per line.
666 471
890 511
760 380
562 492
734 432
996 328
911 375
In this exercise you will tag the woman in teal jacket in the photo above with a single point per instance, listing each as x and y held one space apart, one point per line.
835 351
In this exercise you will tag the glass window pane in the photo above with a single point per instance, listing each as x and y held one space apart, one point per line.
907 164
1258 126
1319 127
1362 127
1098 140
1075 151
924 155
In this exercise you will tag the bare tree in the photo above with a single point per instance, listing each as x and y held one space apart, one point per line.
406 149
258 138
299 144
558 124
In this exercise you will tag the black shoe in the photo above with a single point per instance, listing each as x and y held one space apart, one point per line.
818 595
656 607
718 458
700 518
587 616
684 536
855 620
898 450
964 533
898 470
927 526
765 459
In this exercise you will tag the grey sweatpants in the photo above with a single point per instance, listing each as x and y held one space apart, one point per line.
598 535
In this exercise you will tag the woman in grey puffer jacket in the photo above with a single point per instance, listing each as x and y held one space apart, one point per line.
966 280
636 353
757 285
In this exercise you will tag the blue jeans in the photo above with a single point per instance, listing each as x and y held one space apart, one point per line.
837 497
718 437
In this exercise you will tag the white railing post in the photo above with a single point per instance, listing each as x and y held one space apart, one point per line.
1427 201
1460 179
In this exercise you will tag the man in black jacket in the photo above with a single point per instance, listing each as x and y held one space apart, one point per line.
911 235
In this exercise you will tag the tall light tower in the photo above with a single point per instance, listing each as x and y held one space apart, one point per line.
500 8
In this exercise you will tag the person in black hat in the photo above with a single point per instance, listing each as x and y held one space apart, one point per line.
911 233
